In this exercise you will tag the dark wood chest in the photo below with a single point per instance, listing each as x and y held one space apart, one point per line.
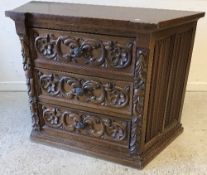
105 81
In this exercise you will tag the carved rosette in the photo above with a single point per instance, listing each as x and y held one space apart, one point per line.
91 91
27 66
138 98
85 124
84 51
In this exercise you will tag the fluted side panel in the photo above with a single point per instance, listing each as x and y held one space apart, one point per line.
171 56
177 76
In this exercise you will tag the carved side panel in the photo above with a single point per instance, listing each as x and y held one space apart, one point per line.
28 68
84 50
85 124
138 98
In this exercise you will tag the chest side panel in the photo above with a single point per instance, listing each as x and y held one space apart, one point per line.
171 60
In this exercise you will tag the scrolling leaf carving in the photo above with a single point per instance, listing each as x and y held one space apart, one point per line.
84 51
28 68
85 124
138 98
107 94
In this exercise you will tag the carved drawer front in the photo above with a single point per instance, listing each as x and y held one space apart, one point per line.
84 53
85 124
90 93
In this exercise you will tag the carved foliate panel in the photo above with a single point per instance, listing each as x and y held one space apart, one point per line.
79 49
28 68
84 89
84 123
138 98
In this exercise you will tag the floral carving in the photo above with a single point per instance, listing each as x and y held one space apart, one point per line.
50 83
118 56
52 117
46 46
84 51
85 124
107 94
78 47
138 98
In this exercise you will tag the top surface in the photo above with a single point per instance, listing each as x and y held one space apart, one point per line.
129 14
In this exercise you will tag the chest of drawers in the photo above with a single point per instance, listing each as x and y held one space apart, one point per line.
105 81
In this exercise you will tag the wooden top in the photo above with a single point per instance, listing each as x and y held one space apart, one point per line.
158 18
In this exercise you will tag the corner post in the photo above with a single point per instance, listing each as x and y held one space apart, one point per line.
28 67
140 94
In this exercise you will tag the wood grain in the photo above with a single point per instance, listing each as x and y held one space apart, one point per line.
106 83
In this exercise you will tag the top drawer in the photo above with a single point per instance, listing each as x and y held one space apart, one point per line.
107 56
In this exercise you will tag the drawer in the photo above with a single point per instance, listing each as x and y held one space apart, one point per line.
84 125
84 53
84 92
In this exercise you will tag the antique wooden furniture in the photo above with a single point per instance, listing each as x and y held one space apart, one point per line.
105 81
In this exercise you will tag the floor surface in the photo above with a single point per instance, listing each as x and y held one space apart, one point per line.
187 155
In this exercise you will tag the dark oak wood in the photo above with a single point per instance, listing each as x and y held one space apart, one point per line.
93 92
106 81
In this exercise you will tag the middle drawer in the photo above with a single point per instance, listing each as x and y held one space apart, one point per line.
84 92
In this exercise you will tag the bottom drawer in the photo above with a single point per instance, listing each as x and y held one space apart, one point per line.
84 125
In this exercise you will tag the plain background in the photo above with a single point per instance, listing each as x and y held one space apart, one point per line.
11 72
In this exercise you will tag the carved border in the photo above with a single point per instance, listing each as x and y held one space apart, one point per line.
138 98
28 69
